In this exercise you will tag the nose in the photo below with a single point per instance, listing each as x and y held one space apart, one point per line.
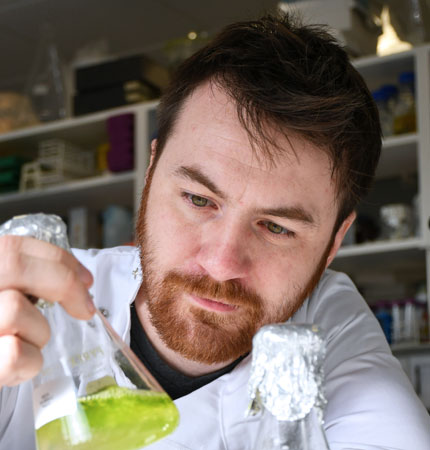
224 253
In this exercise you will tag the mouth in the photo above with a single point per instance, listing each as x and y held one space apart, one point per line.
213 305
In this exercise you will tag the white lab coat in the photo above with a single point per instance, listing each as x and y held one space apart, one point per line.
371 404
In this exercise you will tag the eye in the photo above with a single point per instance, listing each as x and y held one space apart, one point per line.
274 228
199 201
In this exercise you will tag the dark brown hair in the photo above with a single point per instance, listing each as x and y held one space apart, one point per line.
298 80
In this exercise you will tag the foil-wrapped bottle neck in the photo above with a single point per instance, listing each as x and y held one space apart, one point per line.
286 374
45 227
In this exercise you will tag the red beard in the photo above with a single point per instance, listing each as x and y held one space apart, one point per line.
195 333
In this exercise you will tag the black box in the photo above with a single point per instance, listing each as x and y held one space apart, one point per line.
116 72
113 96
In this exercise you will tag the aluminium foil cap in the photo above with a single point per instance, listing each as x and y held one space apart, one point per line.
286 374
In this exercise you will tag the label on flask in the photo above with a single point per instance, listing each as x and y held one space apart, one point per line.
52 400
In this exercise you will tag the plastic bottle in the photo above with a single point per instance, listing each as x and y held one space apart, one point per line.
422 306
398 314
385 319
405 113
412 322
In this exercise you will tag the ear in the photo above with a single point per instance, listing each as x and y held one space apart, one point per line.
340 234
151 159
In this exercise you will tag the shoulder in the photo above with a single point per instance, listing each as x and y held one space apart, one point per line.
341 311
333 287
364 382
92 257
111 265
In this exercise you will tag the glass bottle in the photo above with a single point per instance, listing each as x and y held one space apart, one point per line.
45 84
286 387
404 113
92 391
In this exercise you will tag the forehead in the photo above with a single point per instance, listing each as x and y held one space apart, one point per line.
209 137
209 121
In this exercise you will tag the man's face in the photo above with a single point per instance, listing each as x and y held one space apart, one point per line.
229 241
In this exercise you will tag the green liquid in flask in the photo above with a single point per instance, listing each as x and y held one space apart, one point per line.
112 419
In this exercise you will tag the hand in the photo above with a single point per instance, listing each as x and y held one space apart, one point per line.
32 268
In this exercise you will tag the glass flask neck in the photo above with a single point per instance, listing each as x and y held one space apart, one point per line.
302 434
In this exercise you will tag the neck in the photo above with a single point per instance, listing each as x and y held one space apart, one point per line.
173 359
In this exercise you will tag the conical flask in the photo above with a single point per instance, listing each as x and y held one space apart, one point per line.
92 392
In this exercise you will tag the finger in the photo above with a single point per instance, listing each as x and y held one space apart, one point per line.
53 279
50 281
12 245
20 360
20 318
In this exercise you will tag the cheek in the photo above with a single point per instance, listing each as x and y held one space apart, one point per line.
273 274
172 237
283 275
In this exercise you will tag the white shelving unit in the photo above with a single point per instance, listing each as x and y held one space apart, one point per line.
95 193
391 270
122 188
397 266
404 157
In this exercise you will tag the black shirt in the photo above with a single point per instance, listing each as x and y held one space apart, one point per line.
175 383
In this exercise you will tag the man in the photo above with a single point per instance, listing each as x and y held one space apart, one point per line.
267 139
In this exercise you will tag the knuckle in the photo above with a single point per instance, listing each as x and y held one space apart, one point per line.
69 283
15 302
36 365
10 261
12 353
17 365
12 306
45 334
58 254
10 243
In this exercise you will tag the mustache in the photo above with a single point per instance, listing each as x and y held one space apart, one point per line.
229 291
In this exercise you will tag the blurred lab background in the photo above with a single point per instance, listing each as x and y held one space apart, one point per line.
79 85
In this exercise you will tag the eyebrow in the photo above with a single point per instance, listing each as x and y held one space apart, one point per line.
195 174
295 213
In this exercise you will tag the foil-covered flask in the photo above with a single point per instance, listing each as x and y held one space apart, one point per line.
92 391
286 387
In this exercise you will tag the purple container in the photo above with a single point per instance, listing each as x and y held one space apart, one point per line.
121 139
